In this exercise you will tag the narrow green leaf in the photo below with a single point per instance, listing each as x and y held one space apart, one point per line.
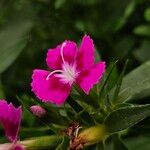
136 84
78 108
38 131
129 9
89 99
103 86
126 117
118 85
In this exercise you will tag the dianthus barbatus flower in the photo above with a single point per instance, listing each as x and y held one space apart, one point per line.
10 118
70 66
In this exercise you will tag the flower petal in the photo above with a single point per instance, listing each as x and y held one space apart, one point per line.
51 90
88 78
6 146
54 58
85 58
18 147
10 118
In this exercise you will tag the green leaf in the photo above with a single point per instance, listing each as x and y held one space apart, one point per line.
127 13
107 79
129 9
138 143
136 84
59 3
117 143
147 14
124 118
105 86
119 82
81 111
12 41
36 132
143 30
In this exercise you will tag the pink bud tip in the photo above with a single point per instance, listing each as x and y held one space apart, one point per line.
38 110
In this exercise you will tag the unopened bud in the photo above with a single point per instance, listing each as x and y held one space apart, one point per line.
89 136
38 110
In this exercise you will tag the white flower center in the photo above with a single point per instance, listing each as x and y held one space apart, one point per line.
68 73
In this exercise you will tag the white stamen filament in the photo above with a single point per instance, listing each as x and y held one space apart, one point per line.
61 52
68 72
55 71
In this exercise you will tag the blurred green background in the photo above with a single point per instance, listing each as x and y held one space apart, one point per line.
120 29
28 28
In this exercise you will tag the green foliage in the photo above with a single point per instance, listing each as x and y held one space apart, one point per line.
126 117
12 41
147 14
118 144
120 30
142 30
136 84
64 144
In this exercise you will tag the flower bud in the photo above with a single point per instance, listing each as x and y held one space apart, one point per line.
93 134
38 110
89 136
43 142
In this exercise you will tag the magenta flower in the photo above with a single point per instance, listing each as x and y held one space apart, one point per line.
38 110
69 66
10 118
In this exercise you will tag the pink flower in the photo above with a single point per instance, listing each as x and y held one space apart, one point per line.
38 110
70 66
10 118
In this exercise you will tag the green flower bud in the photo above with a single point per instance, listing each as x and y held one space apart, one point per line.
89 136
93 134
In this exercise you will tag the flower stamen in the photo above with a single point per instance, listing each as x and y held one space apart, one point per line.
51 73
61 52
